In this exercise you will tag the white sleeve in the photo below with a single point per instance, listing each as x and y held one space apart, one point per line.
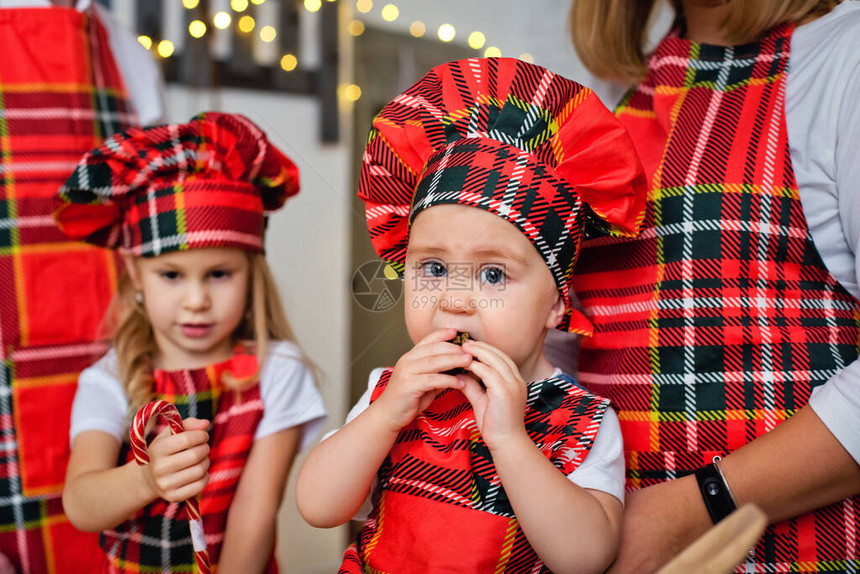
140 73
363 401
290 397
100 401
837 403
603 468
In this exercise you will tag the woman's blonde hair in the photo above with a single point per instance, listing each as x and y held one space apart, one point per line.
134 342
610 35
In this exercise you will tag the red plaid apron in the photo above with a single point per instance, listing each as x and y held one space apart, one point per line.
60 95
158 538
713 326
438 487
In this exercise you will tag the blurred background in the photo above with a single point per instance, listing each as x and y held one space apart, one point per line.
312 74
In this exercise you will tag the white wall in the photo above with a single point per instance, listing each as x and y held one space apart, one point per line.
307 248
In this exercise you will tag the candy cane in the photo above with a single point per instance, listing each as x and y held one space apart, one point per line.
139 446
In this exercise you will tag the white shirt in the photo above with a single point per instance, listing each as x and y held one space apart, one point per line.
287 390
822 108
140 74
602 469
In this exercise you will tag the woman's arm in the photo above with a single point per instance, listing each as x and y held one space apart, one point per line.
797 467
99 495
253 514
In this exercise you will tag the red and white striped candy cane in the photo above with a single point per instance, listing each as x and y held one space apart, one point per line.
141 455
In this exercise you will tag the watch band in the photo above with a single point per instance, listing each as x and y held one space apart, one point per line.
715 491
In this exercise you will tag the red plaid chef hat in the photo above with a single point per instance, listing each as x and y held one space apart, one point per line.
207 183
513 139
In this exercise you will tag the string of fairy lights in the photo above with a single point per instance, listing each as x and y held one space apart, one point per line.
246 24
445 31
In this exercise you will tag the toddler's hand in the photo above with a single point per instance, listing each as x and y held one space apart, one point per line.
418 378
500 404
179 464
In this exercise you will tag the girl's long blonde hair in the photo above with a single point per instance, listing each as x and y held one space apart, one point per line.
610 35
134 342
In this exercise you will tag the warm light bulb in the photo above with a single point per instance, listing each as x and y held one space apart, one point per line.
390 12
190 4
364 6
268 34
477 40
257 2
352 92
239 5
165 48
492 52
526 57
222 20
417 29
446 32
197 28
246 24
289 62
313 5
145 41
356 27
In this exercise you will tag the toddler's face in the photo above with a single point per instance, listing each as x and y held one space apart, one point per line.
195 300
471 270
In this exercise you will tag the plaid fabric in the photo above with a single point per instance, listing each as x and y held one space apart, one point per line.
60 95
140 450
438 486
715 324
158 538
508 137
169 188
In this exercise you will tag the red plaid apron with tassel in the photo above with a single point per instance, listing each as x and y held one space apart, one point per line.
439 505
714 325
60 95
158 538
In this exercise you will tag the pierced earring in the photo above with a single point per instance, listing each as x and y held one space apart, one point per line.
138 296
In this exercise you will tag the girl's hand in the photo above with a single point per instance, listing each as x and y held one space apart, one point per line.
499 405
418 378
179 464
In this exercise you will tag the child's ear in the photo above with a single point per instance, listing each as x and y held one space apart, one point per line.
556 313
131 267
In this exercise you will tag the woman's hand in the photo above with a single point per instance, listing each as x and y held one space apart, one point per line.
178 466
499 405
658 523
418 377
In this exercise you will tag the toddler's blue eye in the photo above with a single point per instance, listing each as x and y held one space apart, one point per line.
433 269
492 275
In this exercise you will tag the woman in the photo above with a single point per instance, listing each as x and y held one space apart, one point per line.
740 296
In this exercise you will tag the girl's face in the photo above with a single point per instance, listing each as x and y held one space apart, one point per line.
194 300
471 270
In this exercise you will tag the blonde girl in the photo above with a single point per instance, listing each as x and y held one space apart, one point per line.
197 322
